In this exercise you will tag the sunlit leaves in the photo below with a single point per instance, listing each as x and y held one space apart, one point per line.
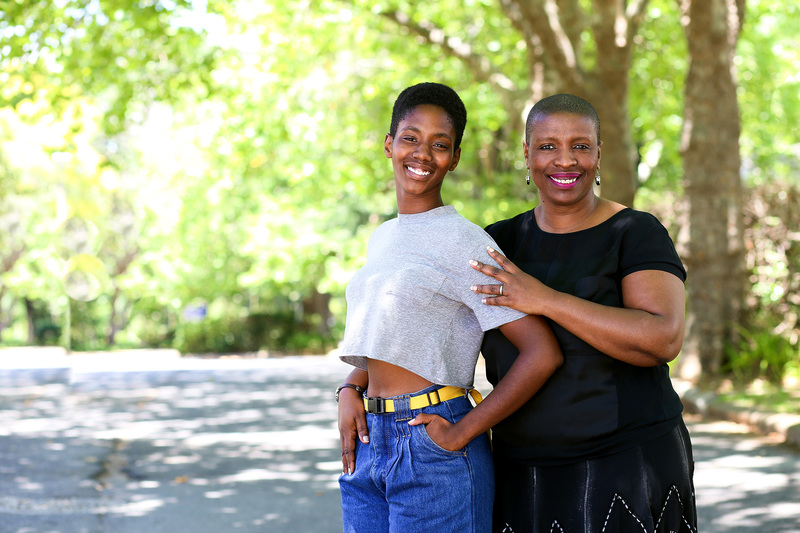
246 137
120 51
767 66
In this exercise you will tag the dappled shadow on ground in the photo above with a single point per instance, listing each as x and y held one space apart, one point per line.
201 456
257 450
744 483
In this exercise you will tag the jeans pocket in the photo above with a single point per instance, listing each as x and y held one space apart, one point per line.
426 440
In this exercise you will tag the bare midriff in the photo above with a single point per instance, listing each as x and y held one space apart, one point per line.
387 380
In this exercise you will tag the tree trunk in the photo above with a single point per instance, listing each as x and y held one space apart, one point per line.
6 312
318 304
617 162
114 321
711 161
30 314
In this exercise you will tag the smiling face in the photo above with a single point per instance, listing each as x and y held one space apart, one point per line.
422 154
563 155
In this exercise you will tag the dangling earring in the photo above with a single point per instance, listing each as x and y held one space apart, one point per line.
597 177
528 177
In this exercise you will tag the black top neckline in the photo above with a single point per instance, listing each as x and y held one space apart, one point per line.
599 225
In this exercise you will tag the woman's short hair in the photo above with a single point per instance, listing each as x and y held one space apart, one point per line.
429 93
561 103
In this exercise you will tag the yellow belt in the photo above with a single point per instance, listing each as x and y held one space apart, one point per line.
380 405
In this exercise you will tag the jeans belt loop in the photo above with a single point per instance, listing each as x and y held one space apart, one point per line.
438 400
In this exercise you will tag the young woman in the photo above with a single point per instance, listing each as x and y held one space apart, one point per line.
419 459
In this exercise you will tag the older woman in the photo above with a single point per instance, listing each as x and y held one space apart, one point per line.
602 446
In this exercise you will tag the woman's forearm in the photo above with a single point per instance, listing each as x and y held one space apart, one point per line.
539 357
644 335
525 377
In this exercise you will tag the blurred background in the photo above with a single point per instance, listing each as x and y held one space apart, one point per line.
203 175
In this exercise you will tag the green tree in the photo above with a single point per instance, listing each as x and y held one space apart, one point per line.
246 138
126 53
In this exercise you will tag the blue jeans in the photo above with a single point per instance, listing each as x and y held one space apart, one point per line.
406 483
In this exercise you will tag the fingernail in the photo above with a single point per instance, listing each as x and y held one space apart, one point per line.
474 288
365 439
473 262
491 250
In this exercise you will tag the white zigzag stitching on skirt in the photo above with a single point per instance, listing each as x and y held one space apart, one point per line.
613 501
674 489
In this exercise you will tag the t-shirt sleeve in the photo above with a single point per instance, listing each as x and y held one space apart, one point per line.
648 246
489 316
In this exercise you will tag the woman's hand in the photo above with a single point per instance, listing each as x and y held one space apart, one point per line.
519 290
443 433
352 426
646 331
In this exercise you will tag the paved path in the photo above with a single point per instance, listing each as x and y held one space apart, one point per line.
138 443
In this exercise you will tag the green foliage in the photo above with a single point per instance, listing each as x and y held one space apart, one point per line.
232 152
258 332
133 52
153 323
769 346
766 397
656 97
46 330
762 353
220 335
773 258
768 63
86 325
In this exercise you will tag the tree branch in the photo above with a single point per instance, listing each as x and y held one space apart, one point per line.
541 18
573 20
513 11
479 65
635 13
618 20
737 9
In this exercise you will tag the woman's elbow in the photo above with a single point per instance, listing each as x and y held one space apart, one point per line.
667 348
554 359
666 340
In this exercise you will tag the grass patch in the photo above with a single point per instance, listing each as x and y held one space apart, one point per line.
764 396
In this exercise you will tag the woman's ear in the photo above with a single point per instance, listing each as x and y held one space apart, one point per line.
387 145
456 159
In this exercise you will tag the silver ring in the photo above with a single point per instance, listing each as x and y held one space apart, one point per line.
501 290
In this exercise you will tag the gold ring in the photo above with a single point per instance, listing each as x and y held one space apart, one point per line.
501 290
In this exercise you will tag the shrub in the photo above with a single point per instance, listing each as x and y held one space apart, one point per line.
761 354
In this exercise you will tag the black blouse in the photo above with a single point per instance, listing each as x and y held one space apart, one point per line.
593 405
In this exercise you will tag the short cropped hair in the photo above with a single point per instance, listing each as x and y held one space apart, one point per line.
561 103
432 94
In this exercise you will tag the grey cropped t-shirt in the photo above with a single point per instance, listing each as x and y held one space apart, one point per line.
411 304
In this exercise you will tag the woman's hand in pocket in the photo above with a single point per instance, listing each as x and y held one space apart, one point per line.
443 433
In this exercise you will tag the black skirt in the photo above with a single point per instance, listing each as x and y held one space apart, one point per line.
647 488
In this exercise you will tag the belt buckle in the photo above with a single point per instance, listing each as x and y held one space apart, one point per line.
376 406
